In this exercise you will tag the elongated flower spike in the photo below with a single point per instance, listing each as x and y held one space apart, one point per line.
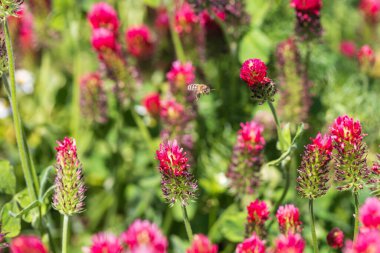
288 218
313 174
69 191
177 182
9 8
350 156
258 214
254 73
291 243
308 14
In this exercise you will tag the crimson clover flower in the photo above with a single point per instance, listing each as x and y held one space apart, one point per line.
290 243
27 243
335 238
258 214
308 14
9 8
288 218
370 10
103 15
369 213
201 244
350 156
254 73
252 244
139 41
313 174
366 58
180 75
69 190
177 182
104 242
152 104
367 241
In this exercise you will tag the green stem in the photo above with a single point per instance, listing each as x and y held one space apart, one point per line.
356 230
28 171
313 233
187 223
65 233
180 53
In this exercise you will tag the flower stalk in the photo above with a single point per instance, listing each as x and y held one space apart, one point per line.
356 204
313 233
65 233
189 231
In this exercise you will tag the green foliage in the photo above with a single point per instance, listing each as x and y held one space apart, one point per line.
7 178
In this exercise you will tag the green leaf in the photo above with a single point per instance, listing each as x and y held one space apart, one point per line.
216 233
286 140
152 3
10 225
23 199
233 227
257 17
179 246
7 178
255 44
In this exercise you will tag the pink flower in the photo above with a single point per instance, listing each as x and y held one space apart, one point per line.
67 152
366 57
173 160
369 213
171 112
291 243
370 10
306 4
24 26
185 18
308 14
253 72
346 130
152 103
139 41
181 75
103 40
366 242
251 245
162 19
103 15
348 48
143 236
258 212
322 143
250 137
335 238
288 218
27 244
201 244
104 243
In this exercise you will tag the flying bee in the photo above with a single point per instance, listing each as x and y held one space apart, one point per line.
199 89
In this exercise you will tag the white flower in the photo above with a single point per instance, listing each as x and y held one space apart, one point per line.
5 110
24 81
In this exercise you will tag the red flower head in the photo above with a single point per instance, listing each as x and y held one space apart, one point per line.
201 244
258 212
104 242
152 104
370 10
291 243
104 40
308 18
335 238
67 152
366 58
23 23
346 130
288 218
369 213
173 160
143 236
250 137
171 112
162 19
322 143
368 241
139 41
251 245
306 4
27 244
185 18
253 72
180 75
348 48
103 15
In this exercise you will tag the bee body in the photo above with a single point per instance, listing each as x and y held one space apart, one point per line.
199 89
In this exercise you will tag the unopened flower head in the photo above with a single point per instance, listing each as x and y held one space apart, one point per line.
368 241
247 158
104 242
93 97
370 10
335 238
139 41
185 19
103 15
201 244
308 14
69 190
351 171
251 245
366 58
9 8
143 236
27 243
313 174
369 213
177 182
294 84
288 218
180 75
258 214
254 73
152 104
290 243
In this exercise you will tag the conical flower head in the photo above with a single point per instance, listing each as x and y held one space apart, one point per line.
350 156
308 14
291 243
103 15
335 238
288 218
177 182
104 242
251 245
201 244
139 41
258 214
313 174
9 8
69 190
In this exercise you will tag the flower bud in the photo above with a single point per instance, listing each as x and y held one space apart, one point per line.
335 238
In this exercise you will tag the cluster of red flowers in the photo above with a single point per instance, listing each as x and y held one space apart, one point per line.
308 13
